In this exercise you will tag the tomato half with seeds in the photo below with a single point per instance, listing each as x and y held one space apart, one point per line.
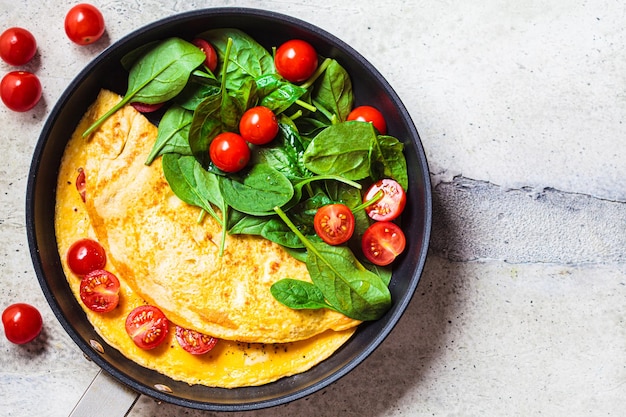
382 242
229 152
86 255
147 326
334 223
22 323
194 342
99 291
295 60
81 184
369 114
211 56
392 203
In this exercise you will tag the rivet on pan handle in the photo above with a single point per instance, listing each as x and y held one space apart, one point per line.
118 398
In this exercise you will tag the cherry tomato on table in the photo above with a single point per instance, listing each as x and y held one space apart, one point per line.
258 125
391 205
147 326
99 291
229 152
85 255
84 24
295 60
194 342
20 90
382 242
22 323
334 223
17 46
209 51
369 114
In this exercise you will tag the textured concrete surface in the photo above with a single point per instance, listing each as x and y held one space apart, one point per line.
521 308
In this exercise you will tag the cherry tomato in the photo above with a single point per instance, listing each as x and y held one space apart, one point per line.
295 60
382 242
209 51
81 184
390 205
369 114
22 323
334 223
258 125
146 108
194 342
229 152
99 291
20 90
84 24
17 46
86 255
147 326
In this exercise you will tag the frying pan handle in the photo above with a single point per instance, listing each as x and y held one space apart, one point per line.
105 397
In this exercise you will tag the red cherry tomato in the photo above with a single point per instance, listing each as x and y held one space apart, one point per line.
20 90
229 152
146 108
22 323
209 51
17 46
147 326
81 184
334 223
369 114
391 205
382 242
194 342
99 291
258 125
295 60
84 256
84 24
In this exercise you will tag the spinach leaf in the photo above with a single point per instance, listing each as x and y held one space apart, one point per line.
173 133
334 91
205 125
299 294
259 190
389 161
276 94
158 76
342 149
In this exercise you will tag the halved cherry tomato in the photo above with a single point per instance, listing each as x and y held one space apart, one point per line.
99 291
20 90
258 125
209 51
147 326
392 203
86 255
334 223
84 24
146 108
369 114
229 152
295 60
17 46
22 323
81 184
382 242
194 342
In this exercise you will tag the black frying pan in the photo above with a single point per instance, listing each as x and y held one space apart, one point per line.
270 29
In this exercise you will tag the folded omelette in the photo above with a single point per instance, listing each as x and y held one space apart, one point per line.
164 257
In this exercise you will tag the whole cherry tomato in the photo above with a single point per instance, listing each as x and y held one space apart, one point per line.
258 125
209 51
147 326
369 114
382 242
84 24
99 291
86 255
20 90
334 223
229 152
295 60
194 342
22 323
392 203
17 46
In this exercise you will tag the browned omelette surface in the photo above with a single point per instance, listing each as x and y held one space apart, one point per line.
164 257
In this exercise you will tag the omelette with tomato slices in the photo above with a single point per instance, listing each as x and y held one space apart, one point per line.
164 257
